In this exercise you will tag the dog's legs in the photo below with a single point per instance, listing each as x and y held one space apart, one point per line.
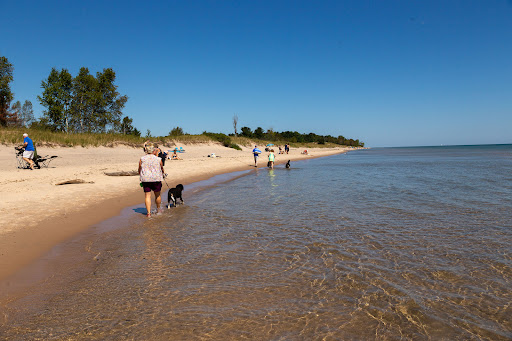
171 201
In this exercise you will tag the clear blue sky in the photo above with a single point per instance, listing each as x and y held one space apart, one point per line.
389 73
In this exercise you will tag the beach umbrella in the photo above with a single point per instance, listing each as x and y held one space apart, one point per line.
270 144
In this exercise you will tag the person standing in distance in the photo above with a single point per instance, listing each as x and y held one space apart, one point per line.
151 171
271 158
256 153
28 154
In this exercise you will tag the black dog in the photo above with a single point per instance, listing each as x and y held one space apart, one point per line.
288 164
173 195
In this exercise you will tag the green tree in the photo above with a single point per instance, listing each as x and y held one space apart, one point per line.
246 132
270 134
84 85
127 128
65 93
27 114
258 133
56 98
109 102
84 103
41 124
176 132
13 116
6 70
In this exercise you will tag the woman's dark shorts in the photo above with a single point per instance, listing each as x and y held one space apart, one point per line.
152 186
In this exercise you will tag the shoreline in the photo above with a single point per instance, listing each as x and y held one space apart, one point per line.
30 237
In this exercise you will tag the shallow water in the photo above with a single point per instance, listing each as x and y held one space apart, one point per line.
391 243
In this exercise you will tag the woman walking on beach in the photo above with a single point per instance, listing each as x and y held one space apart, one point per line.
151 171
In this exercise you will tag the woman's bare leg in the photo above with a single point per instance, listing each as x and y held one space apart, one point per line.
148 202
158 200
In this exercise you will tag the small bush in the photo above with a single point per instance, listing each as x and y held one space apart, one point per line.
235 146
224 139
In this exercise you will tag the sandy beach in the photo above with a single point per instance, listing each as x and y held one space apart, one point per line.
37 214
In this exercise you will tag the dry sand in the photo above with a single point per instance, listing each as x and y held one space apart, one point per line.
36 214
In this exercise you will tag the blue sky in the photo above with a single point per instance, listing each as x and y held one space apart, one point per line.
389 73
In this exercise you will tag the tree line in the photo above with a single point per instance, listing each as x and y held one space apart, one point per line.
16 115
296 137
92 104
81 104
84 103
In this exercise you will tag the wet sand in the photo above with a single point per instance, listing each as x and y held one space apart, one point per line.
37 214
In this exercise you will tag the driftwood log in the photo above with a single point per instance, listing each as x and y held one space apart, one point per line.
74 181
122 173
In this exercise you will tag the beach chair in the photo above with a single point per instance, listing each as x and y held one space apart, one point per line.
39 161
43 161
20 163
181 150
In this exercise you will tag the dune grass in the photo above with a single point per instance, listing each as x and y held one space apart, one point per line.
14 136
49 138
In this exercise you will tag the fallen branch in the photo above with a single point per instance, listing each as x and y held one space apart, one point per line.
122 173
75 181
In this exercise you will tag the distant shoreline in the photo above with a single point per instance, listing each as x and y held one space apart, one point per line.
448 145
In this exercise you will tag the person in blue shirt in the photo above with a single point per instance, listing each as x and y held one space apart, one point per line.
256 153
28 154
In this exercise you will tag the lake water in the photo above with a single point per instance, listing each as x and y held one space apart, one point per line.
386 243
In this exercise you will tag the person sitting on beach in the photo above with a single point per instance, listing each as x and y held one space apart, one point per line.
151 172
28 153
280 150
175 156
271 158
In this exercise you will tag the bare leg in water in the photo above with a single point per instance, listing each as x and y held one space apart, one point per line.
158 201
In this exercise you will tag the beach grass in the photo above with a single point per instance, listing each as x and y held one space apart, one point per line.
14 136
60 139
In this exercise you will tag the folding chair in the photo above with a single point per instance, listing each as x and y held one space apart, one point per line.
39 161
20 163
43 161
